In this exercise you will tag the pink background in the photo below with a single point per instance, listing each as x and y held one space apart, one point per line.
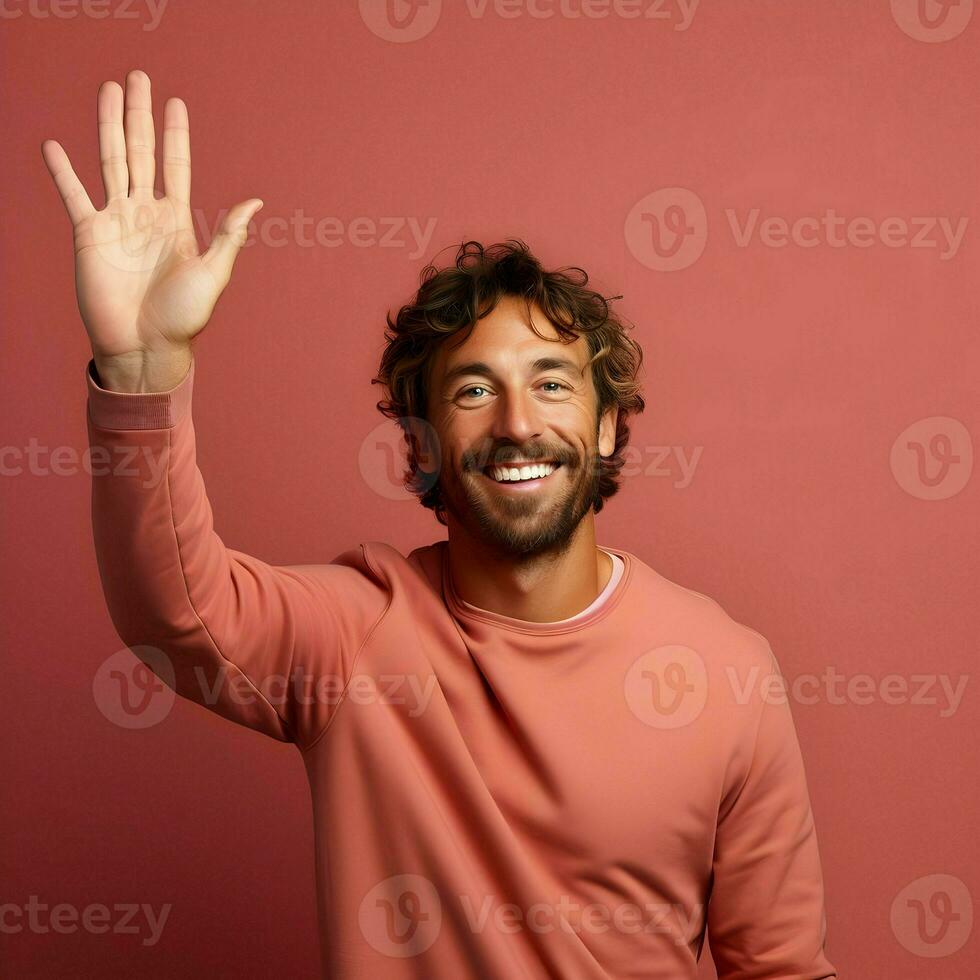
792 372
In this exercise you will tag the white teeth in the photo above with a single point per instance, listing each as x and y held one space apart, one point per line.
504 474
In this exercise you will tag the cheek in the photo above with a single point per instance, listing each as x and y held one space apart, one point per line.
452 445
459 431
581 414
577 426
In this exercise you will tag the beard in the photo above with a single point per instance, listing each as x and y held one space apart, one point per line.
524 525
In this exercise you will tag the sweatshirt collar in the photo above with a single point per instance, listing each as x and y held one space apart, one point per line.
469 612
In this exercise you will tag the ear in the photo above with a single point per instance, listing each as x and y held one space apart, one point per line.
607 430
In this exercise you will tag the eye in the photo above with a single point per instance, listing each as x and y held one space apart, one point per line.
465 393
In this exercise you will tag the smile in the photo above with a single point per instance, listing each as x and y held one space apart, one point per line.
525 477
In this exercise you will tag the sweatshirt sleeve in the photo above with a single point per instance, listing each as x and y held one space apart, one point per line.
766 916
266 646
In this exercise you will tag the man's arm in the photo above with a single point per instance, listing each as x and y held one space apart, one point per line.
766 916
235 630
269 647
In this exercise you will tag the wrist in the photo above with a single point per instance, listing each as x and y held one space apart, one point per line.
139 372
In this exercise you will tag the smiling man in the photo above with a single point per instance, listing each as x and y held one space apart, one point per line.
529 756
521 441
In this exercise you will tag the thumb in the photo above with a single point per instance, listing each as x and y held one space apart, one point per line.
229 239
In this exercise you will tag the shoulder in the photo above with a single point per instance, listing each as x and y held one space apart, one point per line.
355 586
702 620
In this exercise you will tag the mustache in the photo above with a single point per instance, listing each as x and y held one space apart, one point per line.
478 460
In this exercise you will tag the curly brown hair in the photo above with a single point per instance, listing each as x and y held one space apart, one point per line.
451 300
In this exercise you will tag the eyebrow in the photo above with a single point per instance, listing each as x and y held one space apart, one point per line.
536 366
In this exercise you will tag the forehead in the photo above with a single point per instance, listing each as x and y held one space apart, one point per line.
505 341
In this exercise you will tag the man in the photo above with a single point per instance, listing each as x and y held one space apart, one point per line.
529 756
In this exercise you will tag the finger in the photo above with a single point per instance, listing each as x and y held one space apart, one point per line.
227 243
73 195
176 152
140 137
112 141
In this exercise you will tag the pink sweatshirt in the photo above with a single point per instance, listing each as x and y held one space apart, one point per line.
493 798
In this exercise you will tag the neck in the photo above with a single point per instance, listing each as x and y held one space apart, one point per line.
540 588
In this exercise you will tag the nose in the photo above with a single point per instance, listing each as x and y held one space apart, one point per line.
516 418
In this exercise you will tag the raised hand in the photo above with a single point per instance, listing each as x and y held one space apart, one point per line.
144 290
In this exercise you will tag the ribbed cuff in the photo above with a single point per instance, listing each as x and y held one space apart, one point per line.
138 410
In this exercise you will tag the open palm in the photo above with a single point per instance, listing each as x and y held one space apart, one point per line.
141 282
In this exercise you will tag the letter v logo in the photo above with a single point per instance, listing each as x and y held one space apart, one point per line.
932 20
400 20
667 230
